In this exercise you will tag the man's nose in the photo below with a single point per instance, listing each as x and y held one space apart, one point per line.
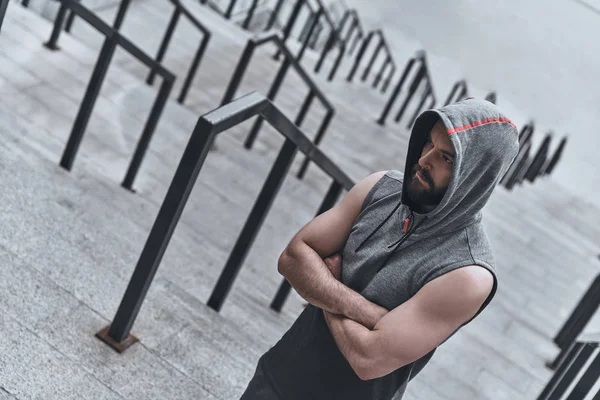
425 160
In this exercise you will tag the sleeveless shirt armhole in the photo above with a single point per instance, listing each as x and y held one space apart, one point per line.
369 198
374 194
448 268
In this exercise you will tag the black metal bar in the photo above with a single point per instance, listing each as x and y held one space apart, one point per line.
585 383
70 20
261 208
147 133
562 368
452 93
290 24
25 3
120 17
3 7
338 61
229 10
326 49
274 15
571 373
250 14
491 97
538 159
307 24
396 93
58 24
179 191
87 105
580 316
521 176
388 80
359 56
520 173
524 137
193 69
311 29
162 50
561 357
526 133
238 74
343 22
379 76
314 38
432 102
335 189
517 163
556 157
318 138
412 90
372 61
357 39
273 90
424 96
353 27
304 109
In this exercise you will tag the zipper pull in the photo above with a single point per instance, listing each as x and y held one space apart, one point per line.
406 223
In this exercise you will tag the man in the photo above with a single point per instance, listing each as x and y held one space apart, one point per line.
394 269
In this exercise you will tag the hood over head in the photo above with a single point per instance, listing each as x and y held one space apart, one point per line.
485 142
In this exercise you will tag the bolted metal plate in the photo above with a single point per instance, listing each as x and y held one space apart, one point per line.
119 347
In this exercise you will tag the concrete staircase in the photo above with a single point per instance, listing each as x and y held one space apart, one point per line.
70 240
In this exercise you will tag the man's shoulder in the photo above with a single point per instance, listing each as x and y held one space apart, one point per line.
395 175
382 185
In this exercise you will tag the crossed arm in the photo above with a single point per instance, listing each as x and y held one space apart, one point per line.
376 341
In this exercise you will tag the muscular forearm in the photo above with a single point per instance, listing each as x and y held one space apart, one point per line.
309 276
353 340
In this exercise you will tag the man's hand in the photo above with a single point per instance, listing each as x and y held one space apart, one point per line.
334 263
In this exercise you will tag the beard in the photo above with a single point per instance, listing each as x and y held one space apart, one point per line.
424 194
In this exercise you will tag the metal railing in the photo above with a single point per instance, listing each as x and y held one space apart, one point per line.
337 34
180 10
549 167
228 12
459 91
491 97
274 15
576 376
529 168
113 39
421 78
117 334
3 7
315 19
381 45
289 61
582 314
359 35
534 169
123 6
525 136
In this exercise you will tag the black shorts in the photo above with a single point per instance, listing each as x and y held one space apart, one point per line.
259 387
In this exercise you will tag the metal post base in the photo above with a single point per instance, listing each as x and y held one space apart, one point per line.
52 47
118 347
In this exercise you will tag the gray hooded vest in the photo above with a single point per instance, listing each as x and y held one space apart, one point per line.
393 251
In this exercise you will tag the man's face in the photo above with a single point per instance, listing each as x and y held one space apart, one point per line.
430 176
